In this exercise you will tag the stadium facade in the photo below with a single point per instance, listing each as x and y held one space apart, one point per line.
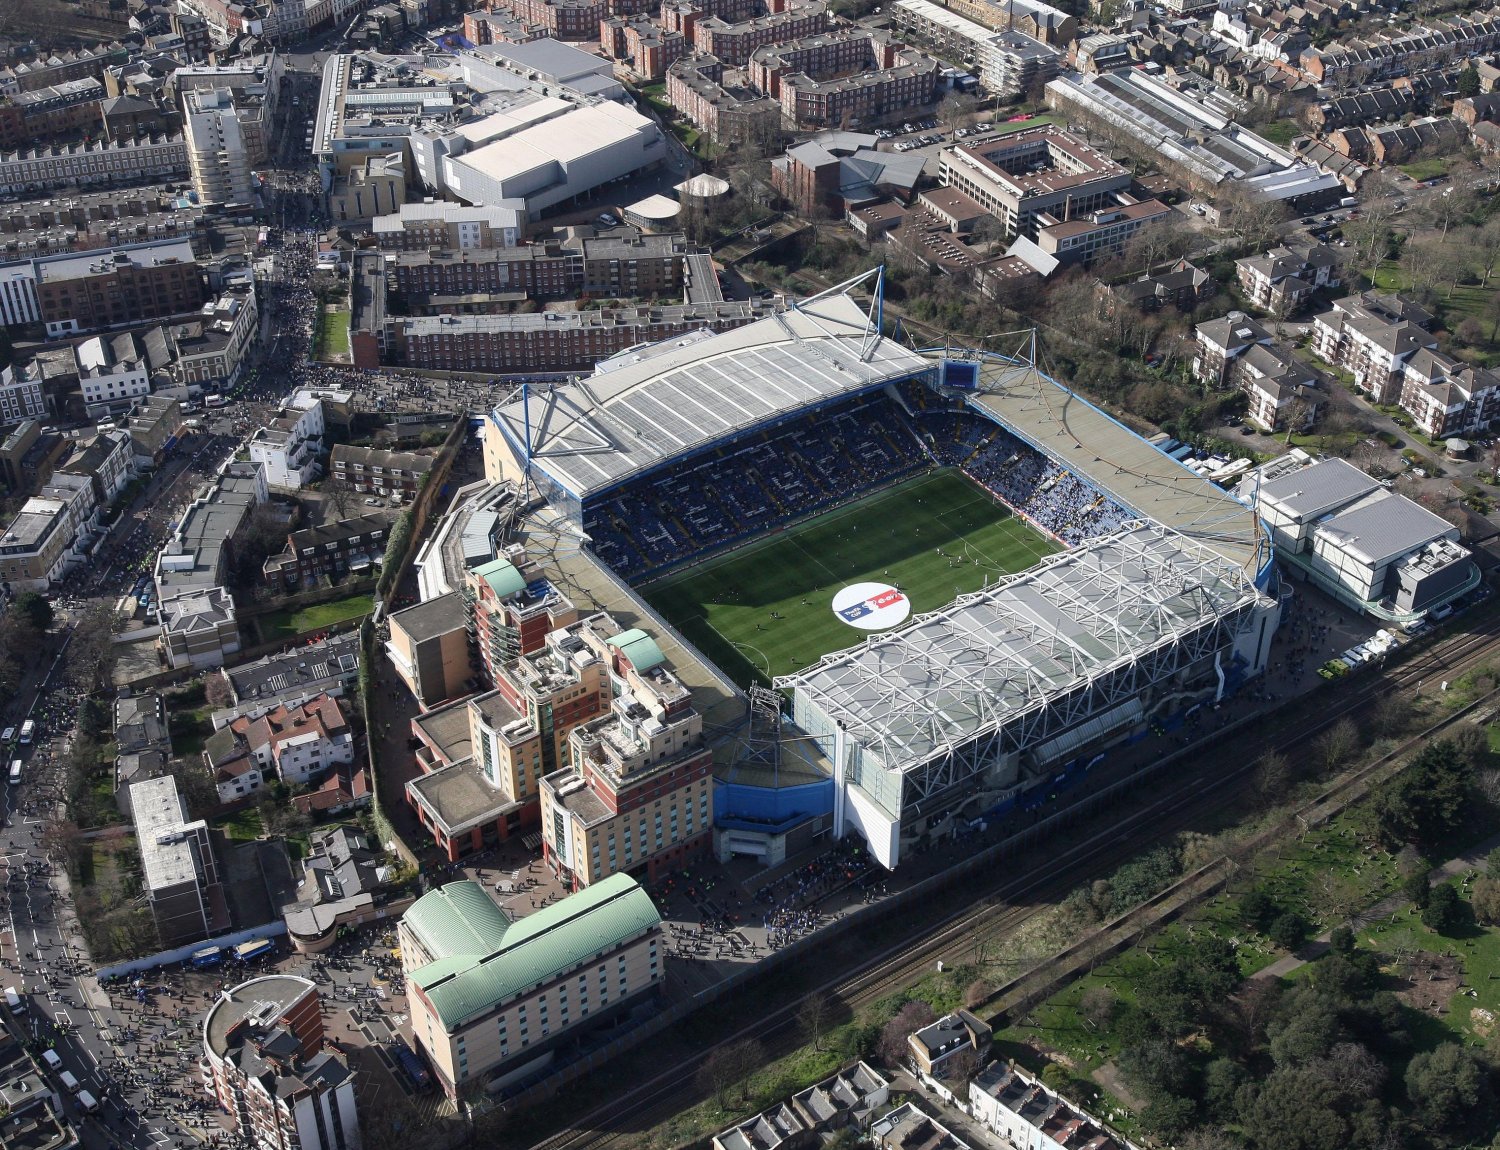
1163 599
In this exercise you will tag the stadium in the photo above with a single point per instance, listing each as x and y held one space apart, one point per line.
965 584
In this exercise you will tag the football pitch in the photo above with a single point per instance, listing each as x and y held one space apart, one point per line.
766 609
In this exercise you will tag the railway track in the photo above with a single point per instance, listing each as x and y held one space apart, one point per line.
995 911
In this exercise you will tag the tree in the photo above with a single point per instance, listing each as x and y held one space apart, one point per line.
955 109
1257 219
1305 1028
1222 1080
1289 930
1341 940
1273 774
1337 744
727 1065
1417 889
812 1017
216 690
340 494
34 609
1258 910
1294 1110
1468 82
1444 910
894 1049
976 993
1426 803
93 719
1449 1088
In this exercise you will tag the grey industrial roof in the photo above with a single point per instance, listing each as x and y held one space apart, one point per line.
160 816
634 414
1114 459
435 617
947 677
1382 527
1317 489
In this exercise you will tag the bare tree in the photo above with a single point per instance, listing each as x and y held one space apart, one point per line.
955 109
812 1017
1335 745
1273 774
1255 219
727 1065
893 1048
340 494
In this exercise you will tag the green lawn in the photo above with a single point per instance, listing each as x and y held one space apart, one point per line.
285 624
243 826
1279 132
333 333
1428 169
1034 122
726 606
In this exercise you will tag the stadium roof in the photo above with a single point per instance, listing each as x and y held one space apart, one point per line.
1117 460
641 410
953 675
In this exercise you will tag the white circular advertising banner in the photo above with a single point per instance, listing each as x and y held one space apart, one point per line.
871 606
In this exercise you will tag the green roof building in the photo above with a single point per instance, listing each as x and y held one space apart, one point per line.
491 997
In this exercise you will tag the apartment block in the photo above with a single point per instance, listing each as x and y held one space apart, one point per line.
219 155
268 1065
642 44
491 998
127 285
369 469
20 398
179 874
44 539
332 550
510 609
623 262
485 757
552 341
143 160
696 87
288 446
450 227
113 372
1372 337
1039 172
843 79
199 628
635 795
1282 280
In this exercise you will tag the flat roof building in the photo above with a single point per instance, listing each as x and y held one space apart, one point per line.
179 872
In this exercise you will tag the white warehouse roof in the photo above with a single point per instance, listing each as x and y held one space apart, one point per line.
562 140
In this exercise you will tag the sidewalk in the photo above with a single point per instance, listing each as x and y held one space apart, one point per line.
1471 859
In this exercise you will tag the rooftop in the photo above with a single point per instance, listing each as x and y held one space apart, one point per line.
479 959
634 413
318 665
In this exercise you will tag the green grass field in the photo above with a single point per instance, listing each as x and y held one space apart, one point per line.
725 605
285 624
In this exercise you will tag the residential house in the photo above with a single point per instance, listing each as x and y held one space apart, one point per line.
1221 342
938 1048
1277 385
1016 1107
291 743
1183 286
370 470
1283 279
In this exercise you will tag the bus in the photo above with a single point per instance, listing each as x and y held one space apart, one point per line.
415 1068
214 399
255 948
28 729
15 771
208 956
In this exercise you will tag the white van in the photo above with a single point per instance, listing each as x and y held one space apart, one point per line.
54 1063
72 1084
87 1102
7 735
13 1001
15 771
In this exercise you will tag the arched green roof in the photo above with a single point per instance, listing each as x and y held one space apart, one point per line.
459 919
502 576
640 648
